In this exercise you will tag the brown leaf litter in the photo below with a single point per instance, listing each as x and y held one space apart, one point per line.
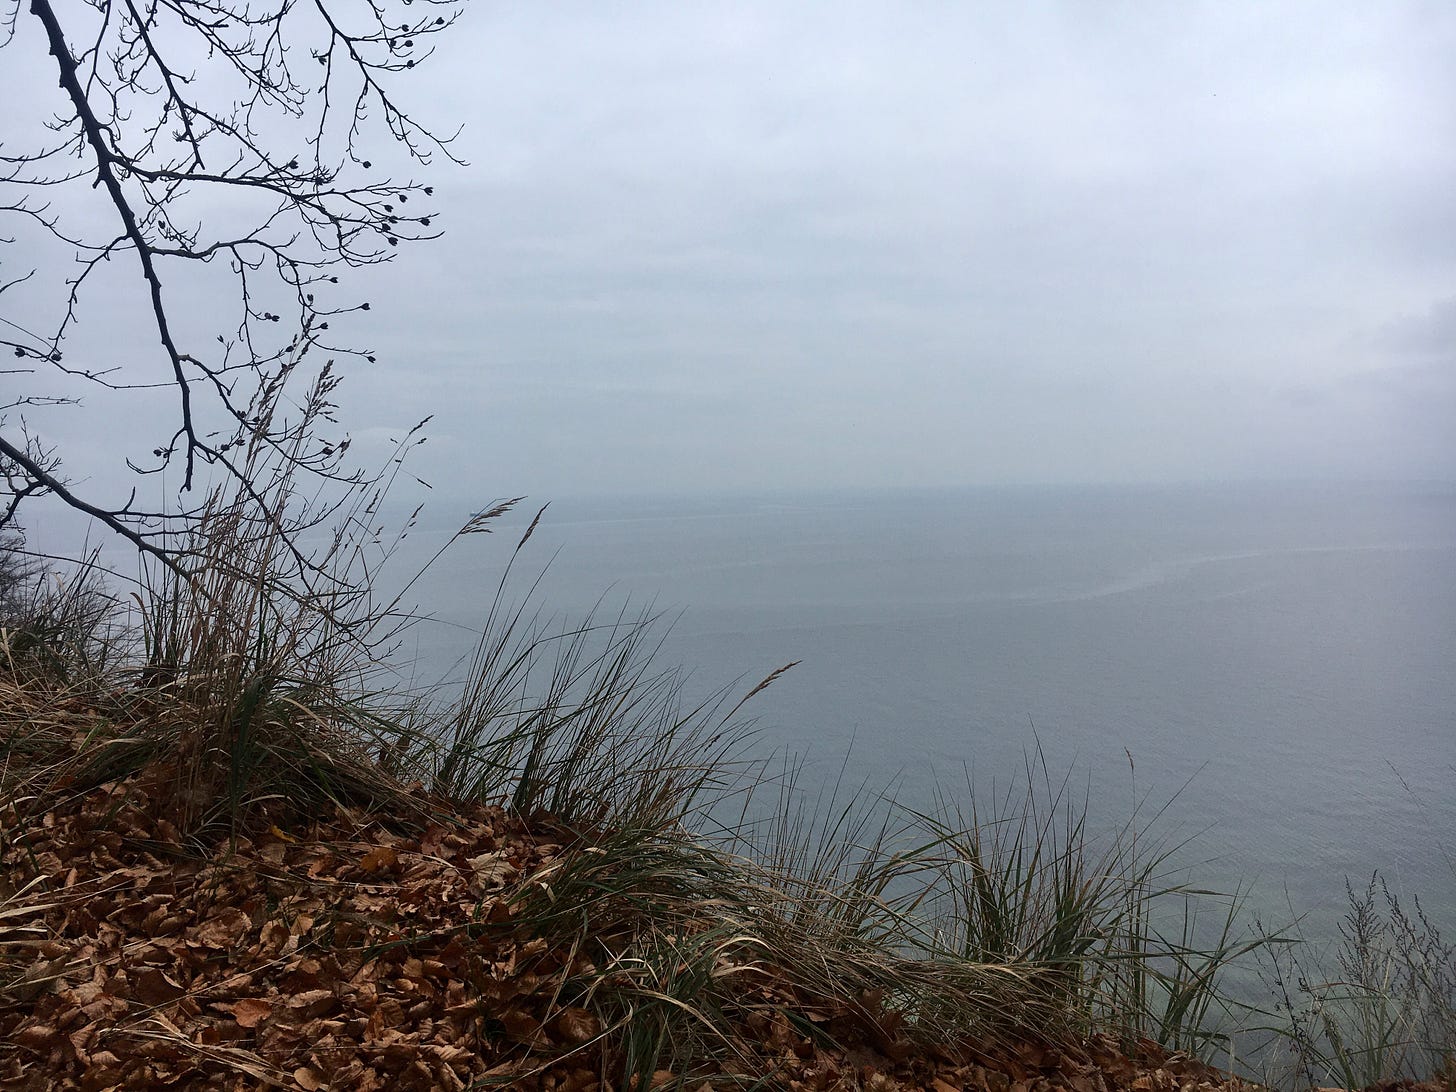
342 952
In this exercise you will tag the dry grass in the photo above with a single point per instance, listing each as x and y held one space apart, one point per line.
1379 1007
237 707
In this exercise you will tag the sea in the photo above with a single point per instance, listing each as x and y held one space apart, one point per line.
1263 673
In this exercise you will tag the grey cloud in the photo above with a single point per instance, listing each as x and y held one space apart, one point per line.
1431 333
703 247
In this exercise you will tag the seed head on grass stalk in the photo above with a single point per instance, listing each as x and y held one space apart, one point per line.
1380 1007
259 633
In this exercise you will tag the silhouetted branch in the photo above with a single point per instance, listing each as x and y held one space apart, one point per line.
262 130
42 480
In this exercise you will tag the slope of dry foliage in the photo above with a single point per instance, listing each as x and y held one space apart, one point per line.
338 946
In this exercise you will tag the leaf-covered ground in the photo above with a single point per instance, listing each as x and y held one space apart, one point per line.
346 953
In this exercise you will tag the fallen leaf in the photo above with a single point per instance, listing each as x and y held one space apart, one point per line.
37 1037
222 930
251 1011
577 1025
311 1003
492 870
378 859
152 987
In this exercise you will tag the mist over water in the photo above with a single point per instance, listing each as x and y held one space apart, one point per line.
1279 657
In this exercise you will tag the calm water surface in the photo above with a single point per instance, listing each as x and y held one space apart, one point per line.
1281 655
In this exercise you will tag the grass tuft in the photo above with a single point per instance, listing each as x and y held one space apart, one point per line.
1377 1008
567 823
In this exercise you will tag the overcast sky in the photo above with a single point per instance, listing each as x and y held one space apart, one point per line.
741 246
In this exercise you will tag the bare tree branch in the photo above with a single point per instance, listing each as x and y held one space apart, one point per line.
274 125
42 480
